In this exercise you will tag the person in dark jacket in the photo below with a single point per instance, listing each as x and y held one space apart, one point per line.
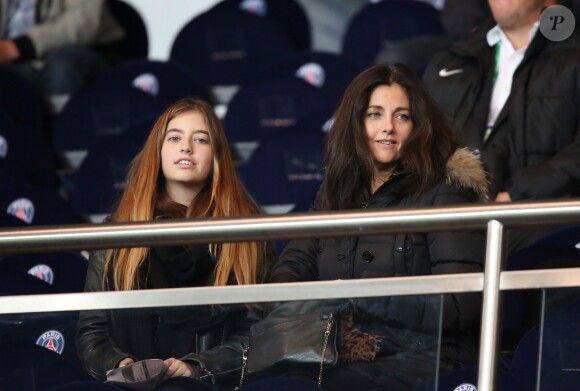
391 147
59 45
185 170
512 95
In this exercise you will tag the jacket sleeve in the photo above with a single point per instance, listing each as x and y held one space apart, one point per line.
95 339
457 252
77 25
224 361
551 178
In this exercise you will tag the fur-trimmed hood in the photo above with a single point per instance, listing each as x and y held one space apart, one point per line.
466 170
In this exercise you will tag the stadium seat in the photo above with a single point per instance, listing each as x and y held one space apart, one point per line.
165 79
63 271
387 21
37 351
285 169
560 248
136 42
260 110
557 343
95 114
99 181
25 151
23 204
288 14
23 104
329 72
465 379
227 48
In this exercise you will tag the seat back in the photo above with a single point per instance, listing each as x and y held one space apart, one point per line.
100 180
165 79
23 204
97 113
136 42
288 14
22 103
228 47
63 271
25 151
285 169
260 110
38 351
330 73
393 20
558 366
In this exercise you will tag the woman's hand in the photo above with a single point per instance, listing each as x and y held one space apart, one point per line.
125 362
178 368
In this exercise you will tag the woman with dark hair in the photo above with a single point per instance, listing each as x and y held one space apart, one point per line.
390 147
185 170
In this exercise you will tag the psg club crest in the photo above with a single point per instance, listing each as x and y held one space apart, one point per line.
22 209
3 147
148 83
256 7
42 272
465 387
312 73
52 340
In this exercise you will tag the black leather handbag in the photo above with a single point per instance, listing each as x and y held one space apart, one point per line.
295 335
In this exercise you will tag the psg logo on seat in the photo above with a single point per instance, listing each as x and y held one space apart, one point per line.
52 340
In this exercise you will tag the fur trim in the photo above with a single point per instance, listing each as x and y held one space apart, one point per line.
466 170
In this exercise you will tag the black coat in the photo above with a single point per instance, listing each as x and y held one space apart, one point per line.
408 325
211 337
533 151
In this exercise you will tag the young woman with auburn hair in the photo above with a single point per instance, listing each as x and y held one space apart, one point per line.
184 170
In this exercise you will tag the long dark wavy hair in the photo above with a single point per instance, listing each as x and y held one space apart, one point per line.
348 161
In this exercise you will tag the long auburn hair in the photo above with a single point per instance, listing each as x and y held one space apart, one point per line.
349 164
145 199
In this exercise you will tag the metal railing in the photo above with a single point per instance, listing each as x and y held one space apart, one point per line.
495 218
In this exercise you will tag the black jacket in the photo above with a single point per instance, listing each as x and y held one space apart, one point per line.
407 324
210 337
534 148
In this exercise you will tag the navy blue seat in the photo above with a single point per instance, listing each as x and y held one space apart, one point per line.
285 169
169 80
559 248
63 271
385 21
288 14
329 72
136 41
25 151
229 47
465 379
99 181
23 204
38 351
559 363
22 103
95 114
260 110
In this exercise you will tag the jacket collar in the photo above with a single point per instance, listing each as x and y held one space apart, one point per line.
464 169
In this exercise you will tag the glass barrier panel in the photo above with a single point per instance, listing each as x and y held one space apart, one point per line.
554 343
391 341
